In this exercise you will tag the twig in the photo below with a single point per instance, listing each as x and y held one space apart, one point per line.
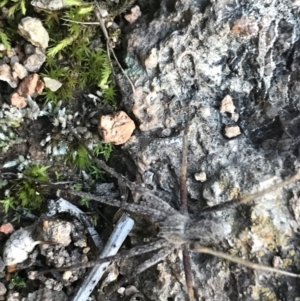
100 18
158 257
115 241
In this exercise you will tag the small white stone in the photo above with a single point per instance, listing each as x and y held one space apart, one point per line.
201 176
32 30
277 262
232 131
52 84
121 291
49 4
67 275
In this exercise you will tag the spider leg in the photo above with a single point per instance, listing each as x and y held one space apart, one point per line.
155 259
188 272
255 266
154 202
184 211
153 214
251 197
183 187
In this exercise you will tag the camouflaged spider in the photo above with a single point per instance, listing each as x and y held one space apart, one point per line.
177 229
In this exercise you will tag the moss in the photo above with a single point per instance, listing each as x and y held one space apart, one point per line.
70 59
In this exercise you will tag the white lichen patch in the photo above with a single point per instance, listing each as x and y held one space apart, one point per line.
19 245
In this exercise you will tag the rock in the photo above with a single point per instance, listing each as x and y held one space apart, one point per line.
232 131
20 70
135 14
29 49
39 87
52 84
13 60
152 60
6 75
35 61
13 296
86 250
18 101
227 106
7 228
130 290
67 275
3 289
81 243
49 4
33 31
30 85
121 291
56 231
277 262
116 128
201 176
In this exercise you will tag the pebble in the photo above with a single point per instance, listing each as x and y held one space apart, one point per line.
116 128
32 30
232 131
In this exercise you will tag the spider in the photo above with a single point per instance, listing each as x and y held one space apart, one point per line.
177 230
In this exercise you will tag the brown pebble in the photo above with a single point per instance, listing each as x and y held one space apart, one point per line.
18 101
116 128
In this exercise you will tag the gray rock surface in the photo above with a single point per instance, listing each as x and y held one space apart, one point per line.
184 57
